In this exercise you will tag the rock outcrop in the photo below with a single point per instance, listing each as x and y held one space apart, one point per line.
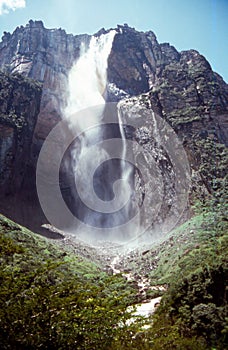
46 56
180 87
19 108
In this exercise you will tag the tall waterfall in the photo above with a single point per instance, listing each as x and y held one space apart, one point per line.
115 190
87 84
88 76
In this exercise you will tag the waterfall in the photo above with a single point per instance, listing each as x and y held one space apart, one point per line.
123 187
126 169
86 88
88 76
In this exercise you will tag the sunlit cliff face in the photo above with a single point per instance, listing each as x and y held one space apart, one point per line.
124 166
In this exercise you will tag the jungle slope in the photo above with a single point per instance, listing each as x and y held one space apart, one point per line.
51 298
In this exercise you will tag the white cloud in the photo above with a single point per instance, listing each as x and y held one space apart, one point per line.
7 5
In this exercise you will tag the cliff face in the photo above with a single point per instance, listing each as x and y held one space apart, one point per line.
180 87
19 108
137 64
137 59
194 100
44 55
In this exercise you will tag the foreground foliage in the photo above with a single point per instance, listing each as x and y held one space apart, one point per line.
50 299
194 311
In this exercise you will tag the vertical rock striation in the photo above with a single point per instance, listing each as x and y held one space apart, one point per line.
19 108
180 87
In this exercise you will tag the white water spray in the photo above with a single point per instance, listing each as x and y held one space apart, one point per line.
126 169
88 76
71 147
87 82
86 88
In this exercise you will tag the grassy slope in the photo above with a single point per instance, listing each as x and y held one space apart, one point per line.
193 262
184 250
38 277
190 247
37 249
50 298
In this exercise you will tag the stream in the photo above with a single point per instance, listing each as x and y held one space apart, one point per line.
148 306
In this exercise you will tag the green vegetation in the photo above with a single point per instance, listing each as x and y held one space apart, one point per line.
193 313
12 109
213 157
192 261
50 299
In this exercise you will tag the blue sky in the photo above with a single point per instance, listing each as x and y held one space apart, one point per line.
186 24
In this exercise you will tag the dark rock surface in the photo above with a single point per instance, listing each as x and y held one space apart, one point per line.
45 55
19 108
180 87
194 100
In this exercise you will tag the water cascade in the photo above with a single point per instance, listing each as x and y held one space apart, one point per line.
135 186
88 77
94 172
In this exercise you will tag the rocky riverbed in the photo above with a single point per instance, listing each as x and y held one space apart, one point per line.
115 259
